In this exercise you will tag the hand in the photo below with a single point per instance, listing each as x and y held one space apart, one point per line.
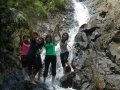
63 19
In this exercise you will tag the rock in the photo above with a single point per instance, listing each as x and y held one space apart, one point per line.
25 85
10 71
113 52
115 70
81 38
116 37
11 77
102 44
67 81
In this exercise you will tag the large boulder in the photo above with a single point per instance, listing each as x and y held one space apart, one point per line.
96 73
11 77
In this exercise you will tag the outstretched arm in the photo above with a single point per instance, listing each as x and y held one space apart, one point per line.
21 37
56 30
30 29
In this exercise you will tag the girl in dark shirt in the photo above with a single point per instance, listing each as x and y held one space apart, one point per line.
35 62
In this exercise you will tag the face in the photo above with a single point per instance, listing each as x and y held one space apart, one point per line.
26 39
65 36
35 36
39 40
48 39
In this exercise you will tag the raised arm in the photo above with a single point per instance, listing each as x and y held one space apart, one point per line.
30 29
21 37
58 27
53 34
56 30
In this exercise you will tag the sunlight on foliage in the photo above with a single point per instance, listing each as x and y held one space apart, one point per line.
15 14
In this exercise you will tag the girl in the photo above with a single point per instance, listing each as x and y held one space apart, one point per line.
50 56
24 45
40 43
64 50
35 63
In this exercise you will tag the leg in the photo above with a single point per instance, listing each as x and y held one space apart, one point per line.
39 74
24 66
47 63
53 65
66 60
63 62
25 73
32 69
39 66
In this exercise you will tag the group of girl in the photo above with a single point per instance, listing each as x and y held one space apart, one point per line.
32 48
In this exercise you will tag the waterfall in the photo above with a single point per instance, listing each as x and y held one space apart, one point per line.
81 16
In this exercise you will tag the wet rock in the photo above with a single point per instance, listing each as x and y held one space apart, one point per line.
94 73
102 44
11 77
116 38
103 14
86 36
25 85
81 38
113 52
115 70
67 80
10 71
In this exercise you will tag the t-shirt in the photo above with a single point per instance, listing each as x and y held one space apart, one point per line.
25 48
50 48
63 47
34 49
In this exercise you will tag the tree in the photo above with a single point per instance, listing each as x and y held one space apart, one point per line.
15 14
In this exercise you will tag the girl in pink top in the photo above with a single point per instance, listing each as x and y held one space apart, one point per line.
25 48
24 45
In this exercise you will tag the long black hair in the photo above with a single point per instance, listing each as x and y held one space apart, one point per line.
25 36
48 36
63 40
40 42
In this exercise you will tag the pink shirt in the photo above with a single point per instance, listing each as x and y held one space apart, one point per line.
25 49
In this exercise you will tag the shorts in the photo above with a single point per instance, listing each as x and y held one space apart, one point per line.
50 59
24 61
35 63
64 58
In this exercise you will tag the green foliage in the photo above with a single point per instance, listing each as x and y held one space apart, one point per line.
60 4
35 8
15 14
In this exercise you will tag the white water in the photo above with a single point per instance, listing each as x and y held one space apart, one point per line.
81 15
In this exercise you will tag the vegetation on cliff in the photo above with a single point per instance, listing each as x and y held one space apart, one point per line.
15 14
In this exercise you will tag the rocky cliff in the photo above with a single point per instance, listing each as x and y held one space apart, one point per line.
98 66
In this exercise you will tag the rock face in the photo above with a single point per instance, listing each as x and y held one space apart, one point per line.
11 77
98 67
10 73
105 14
